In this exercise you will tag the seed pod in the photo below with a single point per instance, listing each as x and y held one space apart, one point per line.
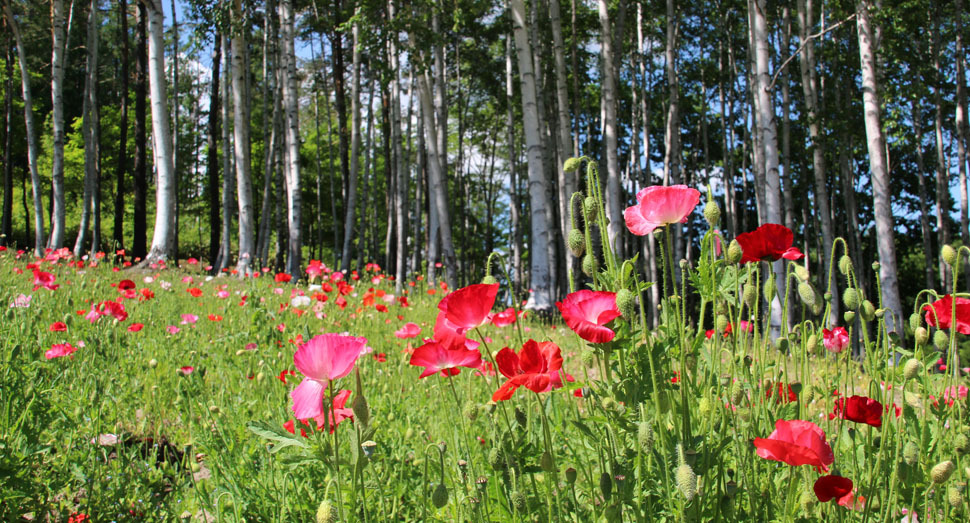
807 293
326 513
910 453
626 303
734 252
712 213
686 481
645 436
949 255
572 164
440 495
546 462
845 265
940 340
606 485
489 280
868 310
912 368
921 335
942 471
850 298
782 344
571 475
576 242
590 265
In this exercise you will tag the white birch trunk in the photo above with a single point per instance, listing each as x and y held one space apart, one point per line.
59 37
291 95
400 170
90 131
242 149
614 192
350 218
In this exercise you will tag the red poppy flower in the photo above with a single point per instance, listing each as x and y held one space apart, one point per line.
135 327
435 356
125 285
796 442
504 318
147 293
58 326
658 206
783 393
468 307
859 409
587 312
835 340
832 487
938 313
215 317
380 357
537 367
282 277
194 291
768 242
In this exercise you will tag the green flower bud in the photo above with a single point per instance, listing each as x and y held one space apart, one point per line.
153 363
910 453
704 406
875 266
868 310
361 409
326 513
912 368
645 436
750 295
720 323
260 377
626 303
922 336
571 475
940 340
440 495
961 443
470 411
546 462
942 471
686 481
770 289
495 459
409 433
588 358
845 265
850 297
807 501
782 344
848 316
712 213
801 272
737 393
606 485
734 252
576 242
590 265
589 209
572 164
949 255
807 294
811 344
954 496
519 501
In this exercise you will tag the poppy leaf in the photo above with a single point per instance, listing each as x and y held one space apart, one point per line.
278 435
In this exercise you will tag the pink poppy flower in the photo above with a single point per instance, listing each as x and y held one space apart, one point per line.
537 367
797 442
222 294
468 307
45 280
324 358
337 412
587 312
435 357
835 340
660 205
186 370
409 330
22 301
172 329
59 349
189 319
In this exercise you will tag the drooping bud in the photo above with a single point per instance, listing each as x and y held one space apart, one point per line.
590 265
495 459
734 252
961 443
770 289
572 164
940 340
949 255
845 265
921 335
626 303
915 321
801 272
440 495
912 368
361 409
587 357
489 280
807 294
606 485
812 343
470 411
686 481
326 513
720 323
737 392
942 471
850 298
954 496
712 213
910 453
576 242
782 344
519 501
868 310
589 209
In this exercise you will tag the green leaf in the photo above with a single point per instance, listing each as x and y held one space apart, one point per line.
279 436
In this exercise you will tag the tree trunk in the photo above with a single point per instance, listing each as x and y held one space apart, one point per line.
399 163
228 178
90 131
212 156
241 148
119 214
163 238
786 174
272 128
541 298
291 96
516 236
350 218
614 193
881 189
961 126
32 153
672 128
924 200
340 103
567 181
175 129
6 226
58 53
942 172
140 172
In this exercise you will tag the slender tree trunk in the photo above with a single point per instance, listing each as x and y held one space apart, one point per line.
881 189
272 128
6 226
90 130
241 147
399 169
614 193
291 96
212 155
924 199
961 125
541 298
163 238
59 50
350 218
367 146
32 154
119 214
564 142
672 129
333 192
140 172
786 174
340 103
175 129
228 177
516 236
942 172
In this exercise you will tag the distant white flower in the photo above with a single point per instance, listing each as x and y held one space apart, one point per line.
300 301
21 302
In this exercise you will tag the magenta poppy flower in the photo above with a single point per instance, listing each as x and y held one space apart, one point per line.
938 314
435 357
45 280
835 340
796 442
324 358
769 242
587 312
660 205
409 330
537 367
59 349
337 412
832 487
468 307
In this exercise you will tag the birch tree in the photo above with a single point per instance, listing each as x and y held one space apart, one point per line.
241 144
350 218
90 130
58 52
292 168
614 193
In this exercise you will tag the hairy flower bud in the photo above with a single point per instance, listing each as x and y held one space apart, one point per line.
942 471
912 368
519 501
940 340
949 255
326 513
576 242
572 164
845 265
961 443
361 409
712 213
686 481
440 495
470 411
589 209
848 316
770 289
750 295
807 294
626 303
812 343
910 453
737 393
606 485
489 280
954 496
850 298
645 436
734 252
495 459
868 310
801 272
720 323
807 501
921 335
915 321
590 265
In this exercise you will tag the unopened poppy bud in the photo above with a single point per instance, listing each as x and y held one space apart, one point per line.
704 406
845 265
868 310
606 485
409 433
913 367
712 213
921 335
572 164
686 481
440 495
576 242
519 501
587 357
807 294
520 417
489 280
326 513
684 264
811 344
801 272
470 411
940 340
949 255
850 298
720 323
827 296
737 392
590 265
942 471
910 453
734 252
961 443
546 462
880 313
495 459
260 377
954 496
571 475
361 410
875 266
153 363
848 316
626 303
770 290
589 208
807 501
750 295
645 436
